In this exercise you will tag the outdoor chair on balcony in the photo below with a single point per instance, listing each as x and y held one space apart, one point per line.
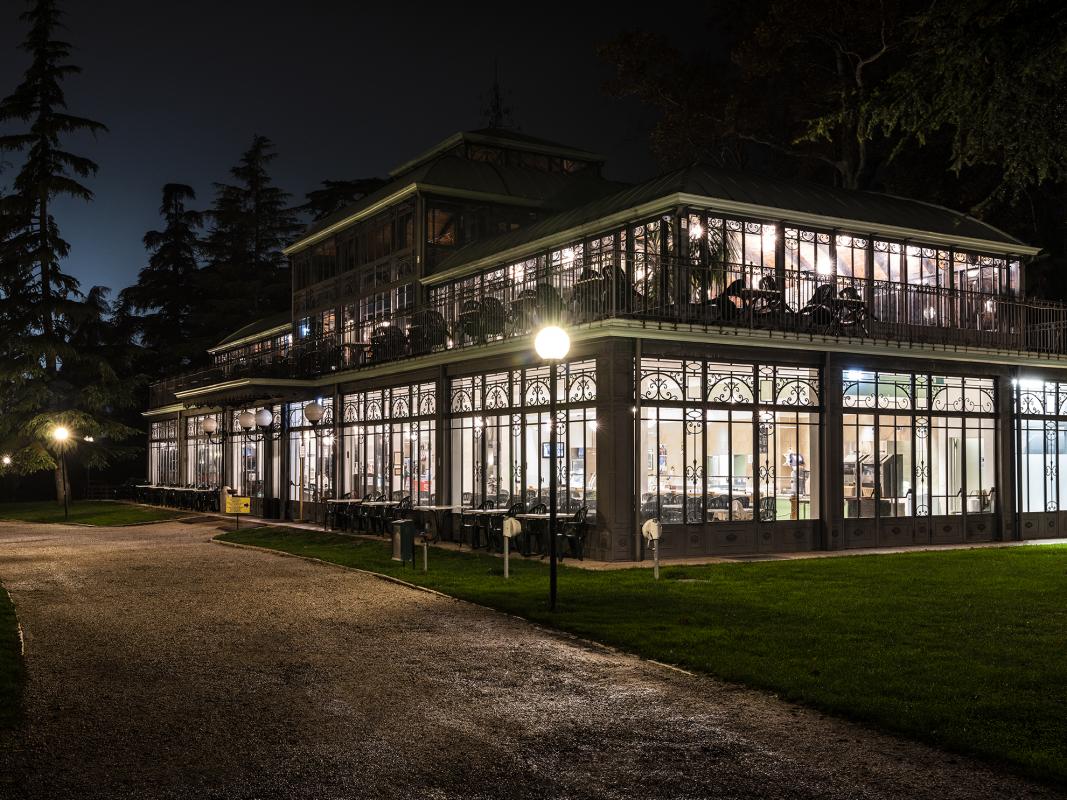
818 314
572 535
387 343
587 299
549 304
523 317
427 333
850 312
469 323
725 307
479 319
767 304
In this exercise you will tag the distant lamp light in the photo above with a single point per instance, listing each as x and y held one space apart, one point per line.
60 434
853 375
313 412
6 461
593 424
209 425
264 418
90 439
552 343
696 231
247 420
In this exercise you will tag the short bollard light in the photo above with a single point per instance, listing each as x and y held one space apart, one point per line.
426 549
652 531
511 528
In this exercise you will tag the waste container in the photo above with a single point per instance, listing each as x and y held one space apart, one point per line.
404 540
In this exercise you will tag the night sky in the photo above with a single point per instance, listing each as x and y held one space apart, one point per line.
345 90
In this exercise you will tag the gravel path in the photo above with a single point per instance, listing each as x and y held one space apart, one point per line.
163 665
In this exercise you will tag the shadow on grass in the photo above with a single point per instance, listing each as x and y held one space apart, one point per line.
87 512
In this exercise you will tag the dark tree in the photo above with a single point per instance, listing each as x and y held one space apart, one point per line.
768 71
991 77
47 172
962 104
43 309
335 195
167 291
251 221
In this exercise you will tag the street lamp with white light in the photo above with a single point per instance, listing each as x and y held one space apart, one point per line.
552 345
314 413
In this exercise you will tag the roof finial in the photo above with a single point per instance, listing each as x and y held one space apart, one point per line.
496 113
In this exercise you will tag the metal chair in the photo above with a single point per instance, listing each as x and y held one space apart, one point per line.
573 534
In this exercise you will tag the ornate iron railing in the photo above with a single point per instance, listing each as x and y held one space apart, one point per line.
728 298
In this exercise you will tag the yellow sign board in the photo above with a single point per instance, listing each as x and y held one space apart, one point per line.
238 505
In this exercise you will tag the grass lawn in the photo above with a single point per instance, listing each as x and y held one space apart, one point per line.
11 668
966 649
86 512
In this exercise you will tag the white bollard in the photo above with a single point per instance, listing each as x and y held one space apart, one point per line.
510 527
425 555
653 531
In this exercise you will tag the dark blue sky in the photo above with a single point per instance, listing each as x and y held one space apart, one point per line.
344 90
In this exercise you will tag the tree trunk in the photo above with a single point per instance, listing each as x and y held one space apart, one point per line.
62 483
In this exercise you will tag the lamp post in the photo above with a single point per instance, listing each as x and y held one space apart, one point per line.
313 413
552 344
60 435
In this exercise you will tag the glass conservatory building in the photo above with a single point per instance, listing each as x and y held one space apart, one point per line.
761 365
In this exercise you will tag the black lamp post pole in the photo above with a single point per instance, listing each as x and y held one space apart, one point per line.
66 486
552 488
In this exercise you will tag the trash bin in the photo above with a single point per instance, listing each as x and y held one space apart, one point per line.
404 540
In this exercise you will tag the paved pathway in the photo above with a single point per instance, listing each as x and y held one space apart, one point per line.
163 666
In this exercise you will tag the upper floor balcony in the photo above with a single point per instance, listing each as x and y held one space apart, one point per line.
749 301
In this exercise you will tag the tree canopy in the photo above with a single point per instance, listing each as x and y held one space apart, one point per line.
55 369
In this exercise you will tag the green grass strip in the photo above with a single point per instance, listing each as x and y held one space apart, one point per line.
966 649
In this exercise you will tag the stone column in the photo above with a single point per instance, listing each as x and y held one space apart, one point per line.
832 525
1006 499
615 527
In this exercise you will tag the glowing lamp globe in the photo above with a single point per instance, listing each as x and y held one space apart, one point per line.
313 413
60 434
264 418
6 460
209 425
247 420
552 343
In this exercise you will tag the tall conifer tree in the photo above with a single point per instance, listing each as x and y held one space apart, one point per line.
166 294
42 306
251 222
